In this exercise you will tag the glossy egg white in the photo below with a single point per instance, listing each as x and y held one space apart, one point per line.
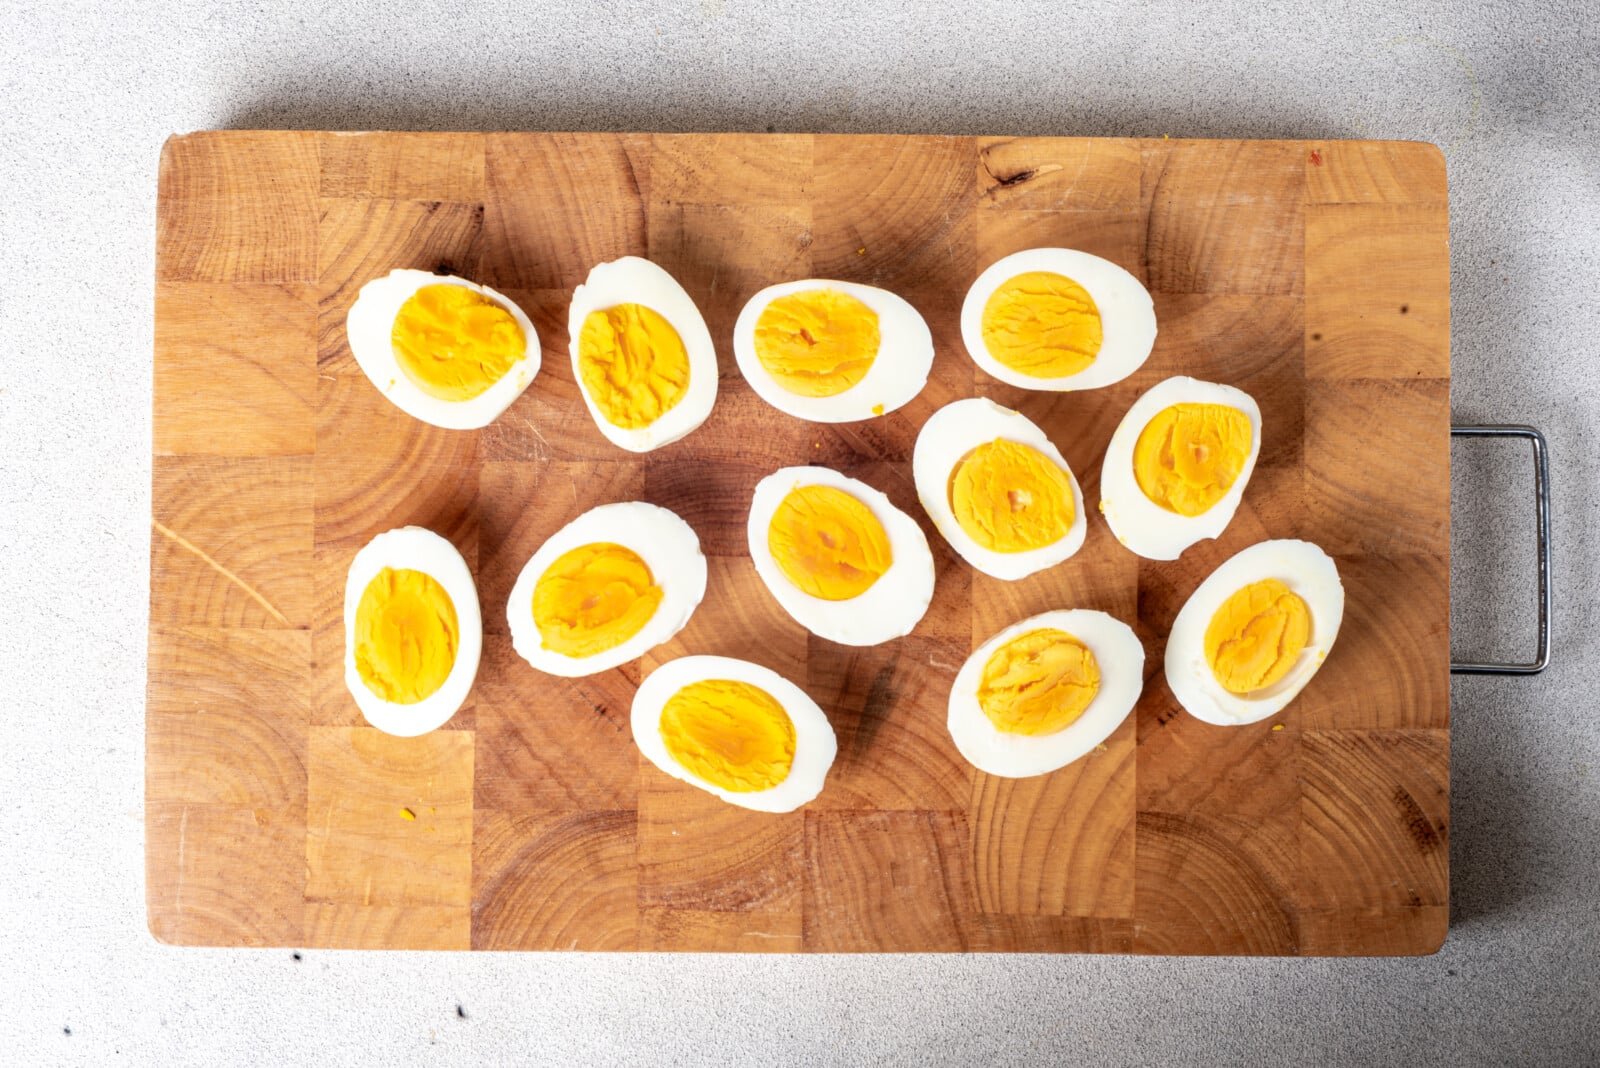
370 327
667 545
1140 523
632 280
1120 657
1309 573
815 744
891 607
1127 317
905 355
415 549
945 439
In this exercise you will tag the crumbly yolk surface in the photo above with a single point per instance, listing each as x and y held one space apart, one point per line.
1257 636
454 342
828 543
1042 324
1038 683
730 734
633 363
817 343
593 598
1010 497
406 635
1189 455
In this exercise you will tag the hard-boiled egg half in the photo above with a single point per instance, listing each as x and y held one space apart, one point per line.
641 354
445 350
832 352
606 588
997 489
1254 632
736 730
838 556
1058 319
1178 464
1043 692
412 632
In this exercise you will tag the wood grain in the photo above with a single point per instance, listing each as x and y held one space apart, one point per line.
1313 275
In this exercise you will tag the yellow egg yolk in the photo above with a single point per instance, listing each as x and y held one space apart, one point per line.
1189 455
1010 497
729 734
454 342
406 635
1256 636
633 364
1038 683
1042 324
828 543
817 343
593 598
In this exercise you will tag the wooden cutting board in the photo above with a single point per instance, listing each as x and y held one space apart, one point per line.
1313 275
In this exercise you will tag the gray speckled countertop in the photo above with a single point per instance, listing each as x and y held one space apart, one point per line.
1512 94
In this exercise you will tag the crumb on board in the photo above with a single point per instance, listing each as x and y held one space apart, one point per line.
407 814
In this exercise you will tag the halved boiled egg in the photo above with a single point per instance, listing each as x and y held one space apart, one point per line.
445 350
1254 632
997 489
838 556
1043 692
641 354
734 729
412 631
606 588
1058 319
832 352
1178 464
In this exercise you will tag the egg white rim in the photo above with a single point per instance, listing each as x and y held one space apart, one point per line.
400 548
370 325
909 579
948 436
1018 756
672 303
885 382
1127 316
815 743
667 545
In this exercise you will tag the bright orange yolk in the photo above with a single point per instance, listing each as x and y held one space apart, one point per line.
1042 324
730 734
828 543
633 363
1189 455
593 598
1038 683
1257 636
406 635
1010 497
817 343
454 343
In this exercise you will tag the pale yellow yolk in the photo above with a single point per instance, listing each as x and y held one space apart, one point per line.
1256 636
593 598
817 343
828 543
406 635
454 342
729 734
1189 455
1042 324
633 364
1010 497
1038 683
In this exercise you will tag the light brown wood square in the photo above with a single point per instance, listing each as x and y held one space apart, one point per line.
275 816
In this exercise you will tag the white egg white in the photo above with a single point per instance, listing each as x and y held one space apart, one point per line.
667 545
1308 572
1127 317
632 280
905 355
370 327
1140 523
944 440
415 549
1120 658
815 744
890 608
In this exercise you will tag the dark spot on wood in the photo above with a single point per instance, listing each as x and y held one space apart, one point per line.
1015 179
444 268
1316 158
1316 337
1404 308
1418 825
461 1013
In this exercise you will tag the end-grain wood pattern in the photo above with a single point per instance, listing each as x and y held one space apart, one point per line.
1315 276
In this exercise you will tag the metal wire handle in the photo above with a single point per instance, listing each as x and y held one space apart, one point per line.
1541 496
